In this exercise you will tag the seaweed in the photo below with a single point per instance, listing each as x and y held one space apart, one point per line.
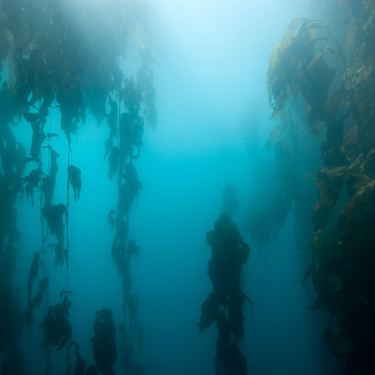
38 135
32 182
342 258
33 272
34 302
57 330
145 78
129 130
49 181
52 64
103 343
226 302
75 180
53 215
80 364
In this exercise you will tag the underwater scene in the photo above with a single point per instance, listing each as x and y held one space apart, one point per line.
187 187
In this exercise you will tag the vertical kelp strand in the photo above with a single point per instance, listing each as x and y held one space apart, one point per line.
127 127
67 246
67 221
44 251
49 171
226 302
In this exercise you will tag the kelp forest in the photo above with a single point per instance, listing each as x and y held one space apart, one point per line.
139 233
53 67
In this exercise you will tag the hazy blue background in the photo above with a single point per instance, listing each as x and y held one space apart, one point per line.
212 101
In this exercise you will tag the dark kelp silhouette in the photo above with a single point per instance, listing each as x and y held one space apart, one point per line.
34 302
49 181
54 215
11 154
80 364
103 343
75 180
57 330
226 302
128 126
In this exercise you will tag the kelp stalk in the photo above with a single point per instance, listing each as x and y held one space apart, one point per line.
226 302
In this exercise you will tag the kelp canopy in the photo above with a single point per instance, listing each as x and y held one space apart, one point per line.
51 56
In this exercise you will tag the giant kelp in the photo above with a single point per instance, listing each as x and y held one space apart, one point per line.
226 302
296 68
128 129
122 147
296 159
80 364
103 343
34 302
11 153
342 257
55 63
57 330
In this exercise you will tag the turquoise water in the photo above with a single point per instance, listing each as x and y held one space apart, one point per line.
213 120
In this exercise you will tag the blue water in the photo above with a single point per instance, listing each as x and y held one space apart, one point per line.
212 61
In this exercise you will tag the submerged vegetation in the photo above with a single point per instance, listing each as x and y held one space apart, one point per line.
50 60
226 302
321 93
335 86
